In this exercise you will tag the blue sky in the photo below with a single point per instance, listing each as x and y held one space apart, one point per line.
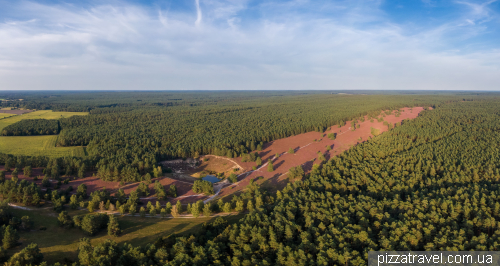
250 45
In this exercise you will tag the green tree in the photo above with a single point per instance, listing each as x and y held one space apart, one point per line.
258 161
168 207
291 151
30 255
73 202
172 191
81 191
179 207
64 220
28 171
113 226
233 178
296 172
270 166
90 224
207 209
132 210
227 207
10 237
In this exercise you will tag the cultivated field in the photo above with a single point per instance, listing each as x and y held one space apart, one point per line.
37 145
44 114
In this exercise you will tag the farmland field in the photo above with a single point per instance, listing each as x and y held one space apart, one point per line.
37 145
44 114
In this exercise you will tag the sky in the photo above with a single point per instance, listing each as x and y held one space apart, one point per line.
250 45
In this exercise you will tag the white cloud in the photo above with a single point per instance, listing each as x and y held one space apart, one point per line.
198 13
341 45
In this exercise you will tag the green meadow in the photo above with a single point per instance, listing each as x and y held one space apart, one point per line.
57 243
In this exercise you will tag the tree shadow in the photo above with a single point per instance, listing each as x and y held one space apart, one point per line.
263 153
276 166
274 183
267 145
307 166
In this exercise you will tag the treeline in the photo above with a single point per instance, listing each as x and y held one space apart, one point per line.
31 127
430 184
53 167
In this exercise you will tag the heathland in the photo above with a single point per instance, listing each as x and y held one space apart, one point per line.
363 172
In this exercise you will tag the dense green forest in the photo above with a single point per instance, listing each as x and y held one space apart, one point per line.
431 184
129 132
31 127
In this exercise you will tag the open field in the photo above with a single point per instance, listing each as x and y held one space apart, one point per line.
37 145
57 243
44 114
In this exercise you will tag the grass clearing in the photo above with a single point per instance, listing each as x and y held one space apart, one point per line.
57 243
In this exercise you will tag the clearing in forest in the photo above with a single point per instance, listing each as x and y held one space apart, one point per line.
57 243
